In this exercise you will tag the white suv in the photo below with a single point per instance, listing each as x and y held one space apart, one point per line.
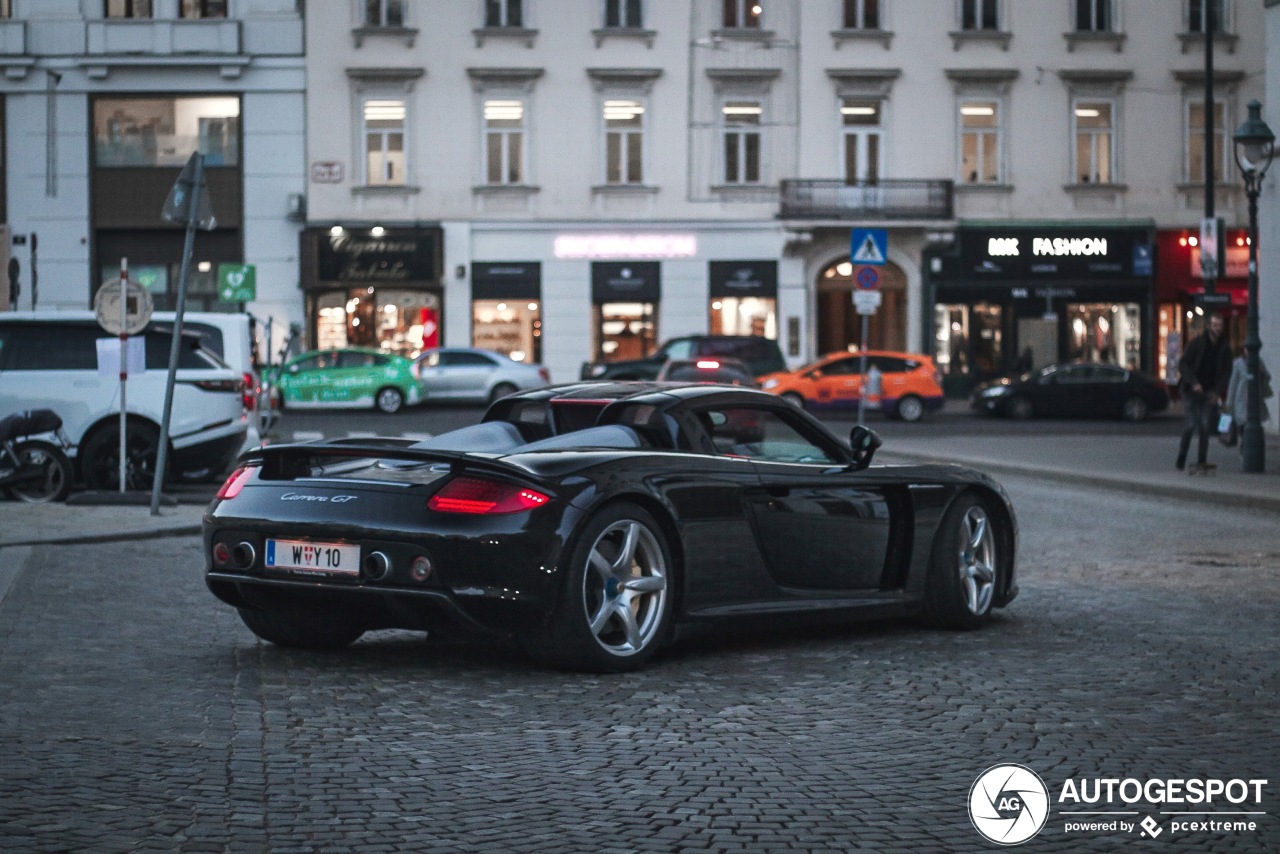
49 360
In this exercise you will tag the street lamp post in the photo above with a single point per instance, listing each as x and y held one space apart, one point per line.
1254 150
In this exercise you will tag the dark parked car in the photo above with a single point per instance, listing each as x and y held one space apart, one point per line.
707 369
1074 389
589 522
761 355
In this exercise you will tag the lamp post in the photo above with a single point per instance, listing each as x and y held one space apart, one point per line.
1254 150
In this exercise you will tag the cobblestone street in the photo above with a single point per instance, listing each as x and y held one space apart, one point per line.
137 713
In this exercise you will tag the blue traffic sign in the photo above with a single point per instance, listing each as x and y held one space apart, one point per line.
869 246
867 278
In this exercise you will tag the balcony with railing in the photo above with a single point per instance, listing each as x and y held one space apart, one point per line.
889 199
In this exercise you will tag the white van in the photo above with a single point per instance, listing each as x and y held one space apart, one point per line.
49 360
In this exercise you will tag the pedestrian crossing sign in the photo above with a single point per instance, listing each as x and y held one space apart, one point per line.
869 246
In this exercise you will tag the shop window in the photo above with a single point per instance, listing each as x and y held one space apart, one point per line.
625 330
744 316
128 9
979 15
384 13
987 344
384 131
512 327
165 131
504 13
742 14
504 138
1095 142
861 15
204 8
1104 332
400 321
624 141
741 141
951 338
625 14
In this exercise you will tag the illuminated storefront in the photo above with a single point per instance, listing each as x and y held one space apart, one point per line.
1011 298
744 298
506 309
625 297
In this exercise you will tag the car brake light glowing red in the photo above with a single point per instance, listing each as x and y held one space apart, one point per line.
250 392
709 364
479 495
235 483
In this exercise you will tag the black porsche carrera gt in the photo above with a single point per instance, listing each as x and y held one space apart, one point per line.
590 522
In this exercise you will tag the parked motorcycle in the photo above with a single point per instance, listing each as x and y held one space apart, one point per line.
34 470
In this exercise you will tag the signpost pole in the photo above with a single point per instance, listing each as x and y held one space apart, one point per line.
193 218
862 370
124 369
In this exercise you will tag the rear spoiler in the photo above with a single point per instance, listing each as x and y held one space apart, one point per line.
288 462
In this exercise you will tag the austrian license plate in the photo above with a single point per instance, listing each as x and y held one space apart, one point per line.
335 558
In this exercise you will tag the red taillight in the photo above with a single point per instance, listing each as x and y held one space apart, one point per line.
220 385
478 495
709 364
235 483
250 391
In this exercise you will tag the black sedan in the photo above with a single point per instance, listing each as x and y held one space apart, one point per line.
1074 389
592 522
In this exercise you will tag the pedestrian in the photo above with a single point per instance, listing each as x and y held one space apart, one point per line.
1204 369
1237 401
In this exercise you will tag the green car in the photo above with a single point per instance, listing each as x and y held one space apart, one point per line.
344 379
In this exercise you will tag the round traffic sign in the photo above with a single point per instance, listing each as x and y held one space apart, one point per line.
867 278
137 307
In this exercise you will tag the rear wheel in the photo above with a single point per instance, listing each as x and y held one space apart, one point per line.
910 408
794 398
615 609
964 567
100 457
1019 408
1134 409
301 631
501 390
389 400
53 482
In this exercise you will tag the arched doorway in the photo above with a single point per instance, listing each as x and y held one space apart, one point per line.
840 325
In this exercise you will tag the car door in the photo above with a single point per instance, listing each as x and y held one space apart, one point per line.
817 526
356 378
838 383
471 375
303 380
1076 393
1111 388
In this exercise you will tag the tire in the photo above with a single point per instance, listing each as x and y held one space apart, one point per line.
502 390
100 457
964 569
615 609
388 400
301 631
910 408
1134 409
794 398
1019 408
58 475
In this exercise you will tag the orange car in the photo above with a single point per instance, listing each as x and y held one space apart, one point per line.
909 382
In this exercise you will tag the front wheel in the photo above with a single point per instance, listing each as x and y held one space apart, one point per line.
964 567
910 408
1134 409
389 400
615 609
301 631
46 473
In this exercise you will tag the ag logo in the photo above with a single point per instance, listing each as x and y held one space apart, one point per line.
1008 804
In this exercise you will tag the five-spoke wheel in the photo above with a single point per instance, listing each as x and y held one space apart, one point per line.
965 567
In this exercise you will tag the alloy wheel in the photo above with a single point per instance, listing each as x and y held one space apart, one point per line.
977 560
625 588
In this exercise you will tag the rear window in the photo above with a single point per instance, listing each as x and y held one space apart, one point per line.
191 355
210 337
573 415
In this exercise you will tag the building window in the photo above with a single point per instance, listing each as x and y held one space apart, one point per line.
504 13
742 141
204 8
128 9
980 142
6 8
384 141
1093 16
1195 144
504 141
1196 10
742 14
625 14
165 131
384 13
1095 142
861 127
979 15
623 142
861 14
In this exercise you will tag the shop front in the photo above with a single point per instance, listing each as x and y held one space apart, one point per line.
625 297
1180 300
506 308
1011 298
372 287
744 298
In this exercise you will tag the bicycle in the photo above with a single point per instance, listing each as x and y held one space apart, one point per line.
34 470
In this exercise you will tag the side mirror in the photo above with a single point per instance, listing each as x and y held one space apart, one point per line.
863 441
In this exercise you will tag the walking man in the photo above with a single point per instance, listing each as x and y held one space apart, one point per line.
1204 369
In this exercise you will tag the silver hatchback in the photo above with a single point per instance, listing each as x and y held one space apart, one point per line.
474 375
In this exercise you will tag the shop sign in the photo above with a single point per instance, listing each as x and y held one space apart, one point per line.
743 279
394 256
1237 266
626 246
635 281
326 172
1051 253
518 280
